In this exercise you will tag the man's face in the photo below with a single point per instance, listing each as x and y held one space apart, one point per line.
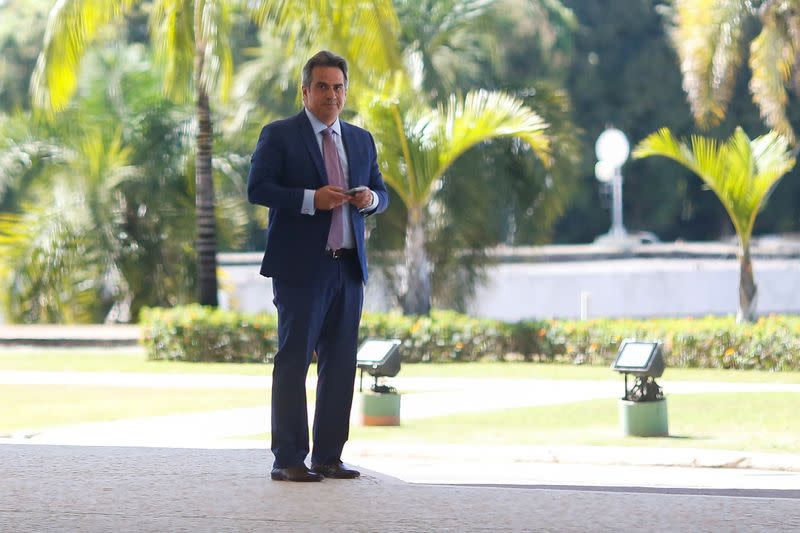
326 95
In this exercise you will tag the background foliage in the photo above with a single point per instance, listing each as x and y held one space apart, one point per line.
581 65
624 72
195 333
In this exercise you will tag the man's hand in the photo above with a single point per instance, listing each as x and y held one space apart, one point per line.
361 199
328 197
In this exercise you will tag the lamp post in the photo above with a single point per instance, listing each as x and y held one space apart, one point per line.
612 149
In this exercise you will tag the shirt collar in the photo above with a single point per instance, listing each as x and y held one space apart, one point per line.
318 126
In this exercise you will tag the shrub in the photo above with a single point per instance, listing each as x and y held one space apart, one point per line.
196 333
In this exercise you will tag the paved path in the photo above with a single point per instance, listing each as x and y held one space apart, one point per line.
88 489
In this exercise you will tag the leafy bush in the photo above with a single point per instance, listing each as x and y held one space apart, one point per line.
772 343
196 333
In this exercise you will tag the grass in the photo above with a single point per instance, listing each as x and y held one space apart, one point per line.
135 361
751 421
747 422
77 360
40 406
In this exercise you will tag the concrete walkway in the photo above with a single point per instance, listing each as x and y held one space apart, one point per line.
110 489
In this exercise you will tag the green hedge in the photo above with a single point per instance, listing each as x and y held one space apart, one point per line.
195 333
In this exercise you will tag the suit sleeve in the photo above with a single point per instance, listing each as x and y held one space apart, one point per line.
267 169
376 183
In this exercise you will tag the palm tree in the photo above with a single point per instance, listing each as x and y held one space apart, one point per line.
709 37
418 144
419 141
191 39
742 173
96 200
72 221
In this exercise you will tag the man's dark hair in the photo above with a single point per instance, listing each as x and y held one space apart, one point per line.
324 59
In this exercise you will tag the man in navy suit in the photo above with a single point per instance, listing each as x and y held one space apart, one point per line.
304 169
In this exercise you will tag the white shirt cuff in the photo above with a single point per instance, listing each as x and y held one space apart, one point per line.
373 204
308 202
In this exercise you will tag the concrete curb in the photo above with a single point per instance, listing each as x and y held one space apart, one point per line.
594 455
72 336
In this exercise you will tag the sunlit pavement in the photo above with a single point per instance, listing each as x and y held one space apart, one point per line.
92 488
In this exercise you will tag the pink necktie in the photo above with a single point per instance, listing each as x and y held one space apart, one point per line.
333 167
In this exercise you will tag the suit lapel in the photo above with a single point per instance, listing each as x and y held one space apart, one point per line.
310 140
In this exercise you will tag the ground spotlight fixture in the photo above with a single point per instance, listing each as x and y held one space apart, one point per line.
645 360
379 358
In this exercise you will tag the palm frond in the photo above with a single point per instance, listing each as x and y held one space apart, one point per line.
18 159
102 161
419 144
363 32
172 34
707 35
214 41
772 57
388 121
773 159
793 27
51 267
663 143
71 27
741 172
484 115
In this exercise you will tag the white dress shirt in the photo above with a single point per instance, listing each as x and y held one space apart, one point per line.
308 198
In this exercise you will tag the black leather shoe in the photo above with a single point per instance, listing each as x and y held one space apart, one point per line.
295 473
336 471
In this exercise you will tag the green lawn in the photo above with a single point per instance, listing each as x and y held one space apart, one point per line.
126 361
76 360
744 421
41 406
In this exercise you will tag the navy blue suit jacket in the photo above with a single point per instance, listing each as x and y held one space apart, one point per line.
286 161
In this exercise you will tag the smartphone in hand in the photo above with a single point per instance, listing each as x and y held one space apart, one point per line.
355 190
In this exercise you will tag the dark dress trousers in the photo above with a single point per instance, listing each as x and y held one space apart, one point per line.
318 297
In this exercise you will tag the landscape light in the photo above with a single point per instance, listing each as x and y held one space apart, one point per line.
379 358
645 360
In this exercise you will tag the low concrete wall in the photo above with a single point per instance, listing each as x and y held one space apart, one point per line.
685 279
633 288
244 289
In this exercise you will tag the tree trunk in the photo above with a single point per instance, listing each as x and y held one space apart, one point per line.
416 277
748 292
206 223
